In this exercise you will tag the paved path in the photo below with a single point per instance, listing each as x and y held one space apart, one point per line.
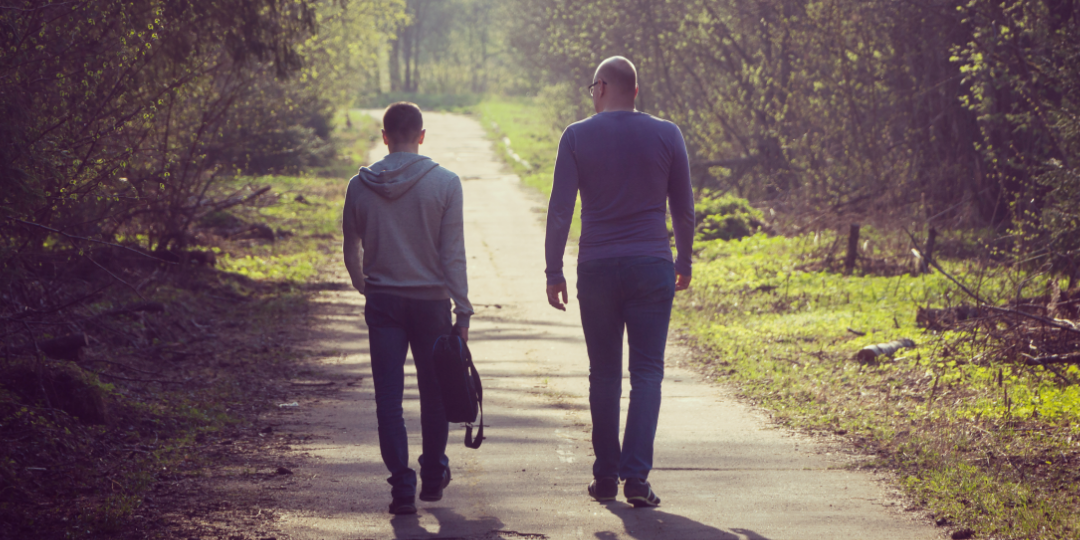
723 473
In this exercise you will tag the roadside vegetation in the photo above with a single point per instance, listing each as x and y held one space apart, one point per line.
172 185
981 438
133 371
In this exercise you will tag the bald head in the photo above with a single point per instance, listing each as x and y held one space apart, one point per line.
620 76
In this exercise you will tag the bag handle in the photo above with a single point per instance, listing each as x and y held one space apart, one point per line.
470 442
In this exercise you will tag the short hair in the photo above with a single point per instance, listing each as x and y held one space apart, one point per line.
619 73
402 122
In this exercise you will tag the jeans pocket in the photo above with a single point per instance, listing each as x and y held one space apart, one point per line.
651 281
380 309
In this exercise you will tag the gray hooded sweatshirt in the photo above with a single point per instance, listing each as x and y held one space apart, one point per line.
403 219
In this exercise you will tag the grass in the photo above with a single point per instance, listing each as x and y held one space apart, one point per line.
306 212
354 135
937 414
975 442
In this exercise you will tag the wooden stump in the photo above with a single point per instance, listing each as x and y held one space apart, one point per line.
852 249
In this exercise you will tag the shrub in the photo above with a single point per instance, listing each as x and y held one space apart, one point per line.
726 217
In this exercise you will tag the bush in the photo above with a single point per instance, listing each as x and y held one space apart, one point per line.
726 217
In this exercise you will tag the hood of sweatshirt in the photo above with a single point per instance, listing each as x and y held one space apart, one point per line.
396 174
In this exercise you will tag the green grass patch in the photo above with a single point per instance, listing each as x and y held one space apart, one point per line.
355 133
527 140
304 212
979 442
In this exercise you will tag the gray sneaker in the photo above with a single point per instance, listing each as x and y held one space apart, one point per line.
639 493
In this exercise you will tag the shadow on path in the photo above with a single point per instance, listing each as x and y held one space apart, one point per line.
656 524
452 525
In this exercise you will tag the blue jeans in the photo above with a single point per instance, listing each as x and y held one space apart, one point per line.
395 324
634 293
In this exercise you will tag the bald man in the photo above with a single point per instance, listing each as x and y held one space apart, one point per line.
628 167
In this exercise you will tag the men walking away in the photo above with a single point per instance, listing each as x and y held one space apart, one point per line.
405 251
627 166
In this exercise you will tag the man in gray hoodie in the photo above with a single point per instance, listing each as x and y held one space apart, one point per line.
405 251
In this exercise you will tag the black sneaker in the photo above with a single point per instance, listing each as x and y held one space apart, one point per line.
604 489
403 505
432 493
639 493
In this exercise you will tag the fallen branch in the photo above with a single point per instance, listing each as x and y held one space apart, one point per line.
1044 320
137 307
234 201
29 311
116 277
103 374
125 366
1032 361
1073 358
73 237
869 353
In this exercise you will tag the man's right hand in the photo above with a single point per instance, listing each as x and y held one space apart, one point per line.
554 292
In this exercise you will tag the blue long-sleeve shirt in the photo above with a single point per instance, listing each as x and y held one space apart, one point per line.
628 166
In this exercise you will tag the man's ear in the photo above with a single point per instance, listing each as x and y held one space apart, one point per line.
635 91
385 139
421 139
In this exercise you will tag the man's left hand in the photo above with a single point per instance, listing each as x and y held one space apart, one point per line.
682 282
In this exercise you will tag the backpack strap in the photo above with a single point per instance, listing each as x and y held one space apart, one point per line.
469 441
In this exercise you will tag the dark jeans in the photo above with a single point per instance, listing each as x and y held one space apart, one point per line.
396 323
634 293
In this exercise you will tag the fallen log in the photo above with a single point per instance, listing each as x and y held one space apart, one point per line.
137 307
67 347
869 353
946 318
1073 358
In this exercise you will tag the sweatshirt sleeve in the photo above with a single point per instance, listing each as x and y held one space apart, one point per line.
681 204
351 247
452 254
560 212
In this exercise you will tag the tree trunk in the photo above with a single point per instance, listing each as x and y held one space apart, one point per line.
928 252
395 64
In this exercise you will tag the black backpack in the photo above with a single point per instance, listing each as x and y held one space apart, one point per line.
460 384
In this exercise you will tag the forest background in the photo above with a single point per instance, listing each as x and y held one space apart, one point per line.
866 171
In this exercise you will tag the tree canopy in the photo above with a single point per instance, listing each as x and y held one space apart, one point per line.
118 117
965 111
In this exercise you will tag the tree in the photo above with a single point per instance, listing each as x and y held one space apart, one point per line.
121 116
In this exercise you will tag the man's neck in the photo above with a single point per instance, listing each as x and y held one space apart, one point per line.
613 107
410 148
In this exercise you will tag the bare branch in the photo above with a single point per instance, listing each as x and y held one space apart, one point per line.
73 237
